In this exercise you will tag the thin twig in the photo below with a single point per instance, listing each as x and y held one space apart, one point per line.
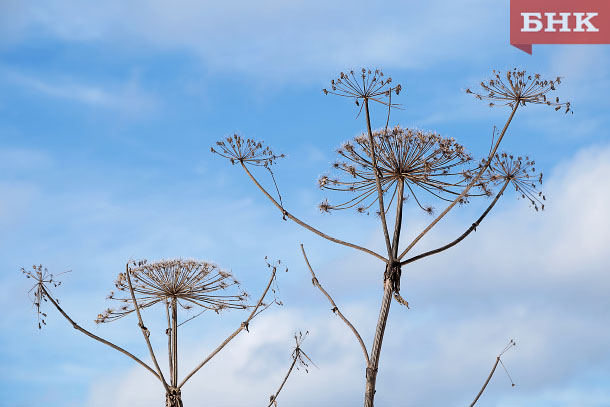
244 325
97 338
335 309
273 398
463 236
493 369
377 182
306 226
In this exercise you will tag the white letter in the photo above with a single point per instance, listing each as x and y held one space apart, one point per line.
580 22
527 22
550 22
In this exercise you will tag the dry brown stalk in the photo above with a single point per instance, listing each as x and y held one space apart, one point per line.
401 162
335 308
299 358
175 283
493 369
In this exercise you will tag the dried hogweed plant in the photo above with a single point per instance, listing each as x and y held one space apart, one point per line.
175 285
380 169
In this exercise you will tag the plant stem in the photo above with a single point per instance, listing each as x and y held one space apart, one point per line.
465 191
145 331
371 371
305 225
463 236
175 341
377 181
97 338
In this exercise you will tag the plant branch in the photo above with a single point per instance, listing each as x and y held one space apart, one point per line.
273 398
335 309
93 336
463 236
244 325
145 331
493 369
305 225
465 191
377 182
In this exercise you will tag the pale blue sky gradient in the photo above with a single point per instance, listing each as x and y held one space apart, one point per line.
107 115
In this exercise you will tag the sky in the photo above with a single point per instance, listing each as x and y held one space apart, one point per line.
107 115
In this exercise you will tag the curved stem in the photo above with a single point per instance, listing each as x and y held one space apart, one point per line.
274 397
244 325
335 309
463 236
465 191
305 225
145 331
97 338
486 382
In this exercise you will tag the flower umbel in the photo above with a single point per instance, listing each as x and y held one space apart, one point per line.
41 290
367 84
420 159
522 175
189 282
519 87
246 151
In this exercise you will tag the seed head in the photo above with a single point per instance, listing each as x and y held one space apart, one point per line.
521 173
41 291
519 87
423 161
366 84
189 282
246 151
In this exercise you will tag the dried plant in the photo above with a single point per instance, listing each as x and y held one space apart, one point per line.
177 284
391 164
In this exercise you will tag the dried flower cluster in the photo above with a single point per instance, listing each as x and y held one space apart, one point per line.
419 159
40 289
189 282
245 151
521 173
368 84
518 87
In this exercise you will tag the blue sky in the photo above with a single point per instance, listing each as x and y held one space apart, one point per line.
107 115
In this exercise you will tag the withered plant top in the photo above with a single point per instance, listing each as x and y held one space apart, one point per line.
367 84
189 282
519 87
246 151
416 158
521 173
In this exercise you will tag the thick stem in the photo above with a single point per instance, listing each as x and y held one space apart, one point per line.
173 398
175 341
371 371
